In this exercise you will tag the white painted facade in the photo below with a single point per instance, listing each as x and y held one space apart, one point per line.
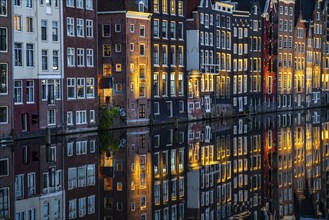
49 206
37 13
193 189
192 50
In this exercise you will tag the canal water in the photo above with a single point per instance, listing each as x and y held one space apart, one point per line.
269 166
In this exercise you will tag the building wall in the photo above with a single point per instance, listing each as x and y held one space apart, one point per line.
241 63
33 111
81 176
129 65
7 188
81 108
255 80
139 81
269 58
285 24
299 64
38 179
165 105
6 73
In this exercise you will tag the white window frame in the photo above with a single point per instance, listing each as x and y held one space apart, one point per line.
92 85
80 57
70 3
81 117
19 88
89 27
82 83
70 30
73 84
89 4
49 122
6 112
79 4
90 57
80 27
69 118
70 57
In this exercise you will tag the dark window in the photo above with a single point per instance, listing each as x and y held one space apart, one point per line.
43 30
141 140
142 111
3 39
106 30
4 167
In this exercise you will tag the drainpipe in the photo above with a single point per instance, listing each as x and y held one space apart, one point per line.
62 61
96 59
12 73
12 192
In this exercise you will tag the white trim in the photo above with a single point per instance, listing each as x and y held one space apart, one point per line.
7 116
110 12
137 120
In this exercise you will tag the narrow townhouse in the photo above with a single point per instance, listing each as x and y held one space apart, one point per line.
37 70
168 63
79 46
6 73
209 62
124 65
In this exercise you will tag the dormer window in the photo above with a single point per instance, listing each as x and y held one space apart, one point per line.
141 6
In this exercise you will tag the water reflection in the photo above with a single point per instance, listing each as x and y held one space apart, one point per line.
262 167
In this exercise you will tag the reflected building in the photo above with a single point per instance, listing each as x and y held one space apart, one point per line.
225 176
139 174
301 142
325 162
7 182
283 173
247 168
202 173
80 165
268 161
113 186
264 167
169 174
313 162
39 185
125 176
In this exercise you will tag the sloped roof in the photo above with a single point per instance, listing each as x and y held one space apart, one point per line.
118 5
305 8
191 5
245 5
